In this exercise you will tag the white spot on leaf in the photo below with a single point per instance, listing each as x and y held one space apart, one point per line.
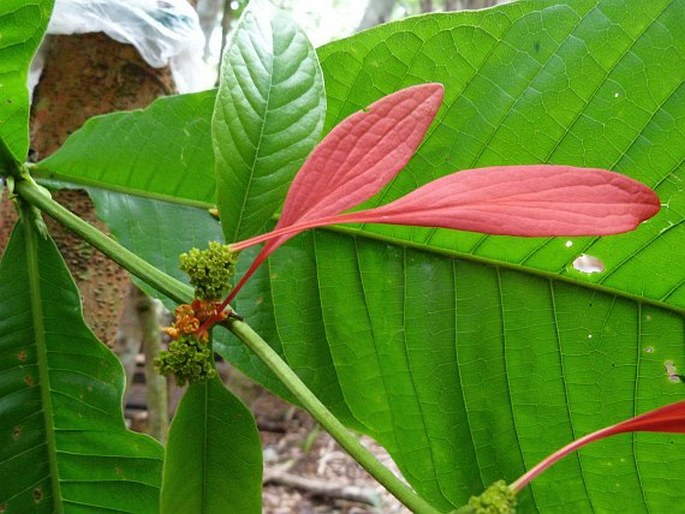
568 244
588 264
649 349
672 372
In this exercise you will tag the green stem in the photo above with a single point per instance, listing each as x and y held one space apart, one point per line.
327 420
174 289
183 293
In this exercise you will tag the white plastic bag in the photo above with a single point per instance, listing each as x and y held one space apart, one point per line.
163 31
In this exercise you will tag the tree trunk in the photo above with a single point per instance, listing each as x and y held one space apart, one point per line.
86 75
377 12
156 385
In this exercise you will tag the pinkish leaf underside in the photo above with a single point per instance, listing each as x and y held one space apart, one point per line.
362 154
540 200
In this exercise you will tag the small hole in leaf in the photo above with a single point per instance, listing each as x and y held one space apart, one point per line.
38 494
16 432
649 349
672 372
588 264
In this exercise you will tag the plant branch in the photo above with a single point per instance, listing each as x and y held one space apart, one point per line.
183 293
326 419
142 269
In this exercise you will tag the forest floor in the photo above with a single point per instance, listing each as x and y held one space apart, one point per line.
307 472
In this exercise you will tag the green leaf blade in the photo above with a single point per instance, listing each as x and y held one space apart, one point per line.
61 397
468 373
162 152
269 113
519 92
214 456
23 25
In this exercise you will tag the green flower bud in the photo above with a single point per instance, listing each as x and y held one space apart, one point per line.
497 499
188 358
210 270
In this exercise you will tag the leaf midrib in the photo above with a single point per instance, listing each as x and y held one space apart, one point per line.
455 254
36 300
45 173
260 140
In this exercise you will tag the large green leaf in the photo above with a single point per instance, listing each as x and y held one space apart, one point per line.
587 83
22 25
471 357
63 443
269 113
213 458
469 372
161 152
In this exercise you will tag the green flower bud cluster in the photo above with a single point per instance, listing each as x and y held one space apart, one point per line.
497 499
188 358
210 270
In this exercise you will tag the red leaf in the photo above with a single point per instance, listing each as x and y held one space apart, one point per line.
364 152
535 200
670 418
361 154
354 161
524 201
